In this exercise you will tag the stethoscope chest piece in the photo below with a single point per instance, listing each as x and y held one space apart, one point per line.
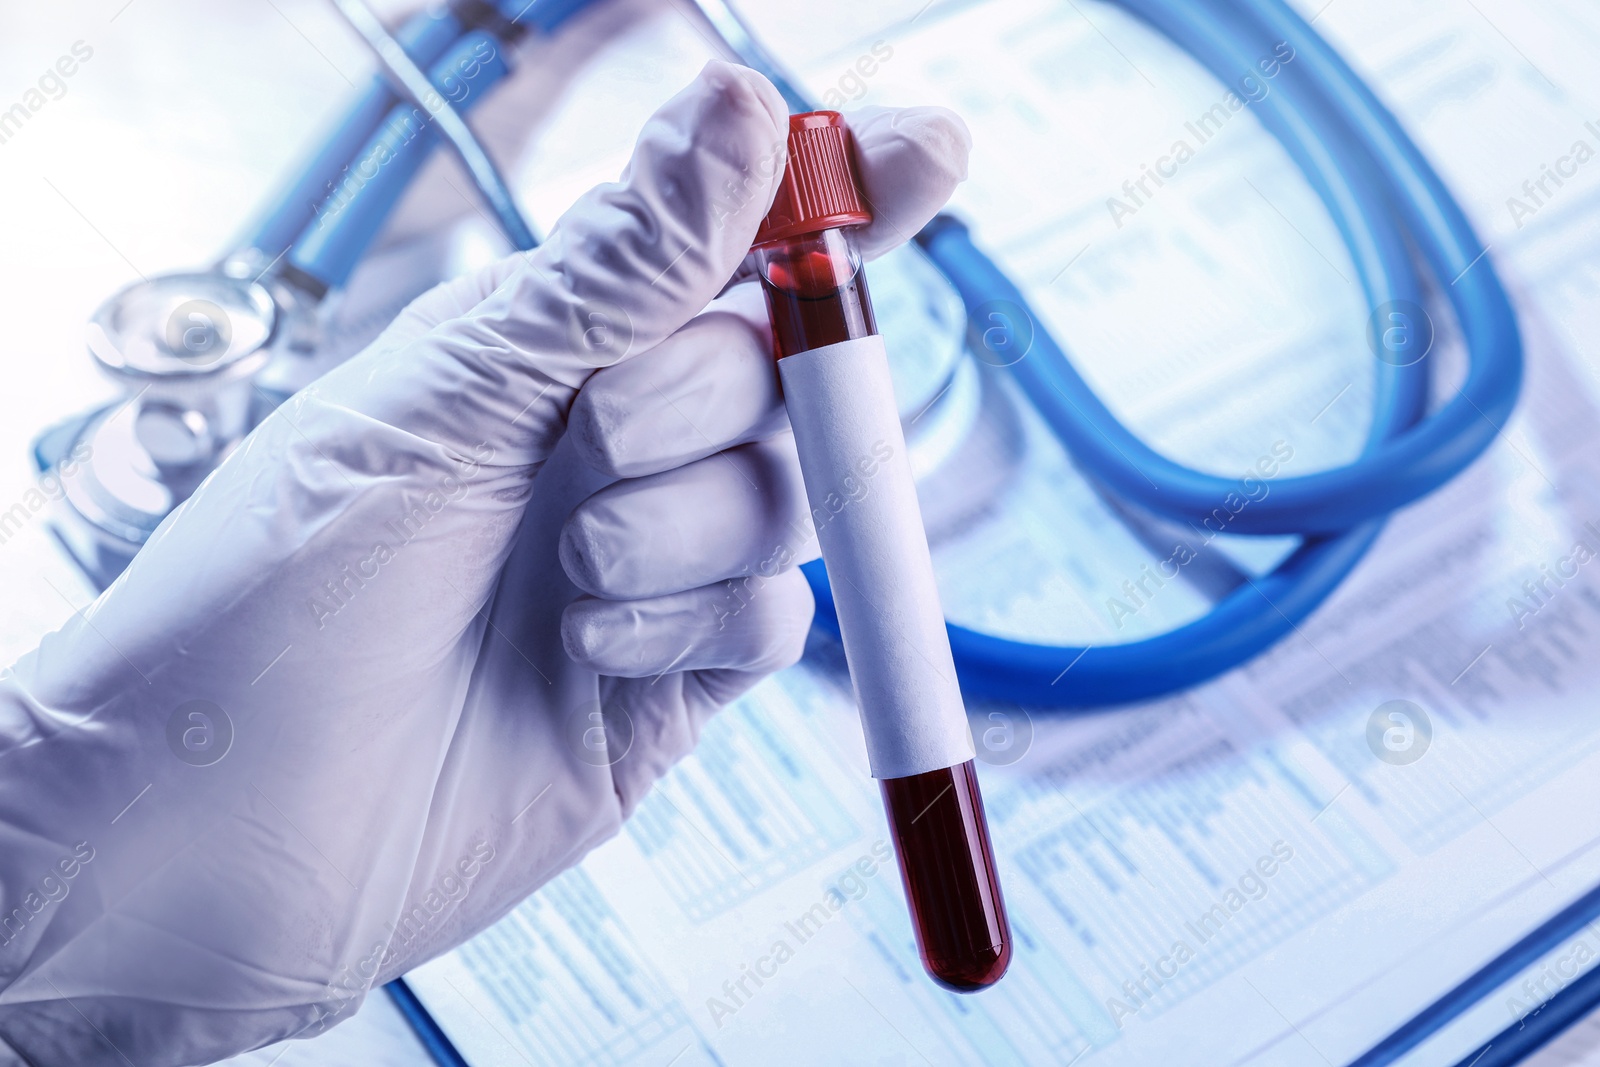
182 349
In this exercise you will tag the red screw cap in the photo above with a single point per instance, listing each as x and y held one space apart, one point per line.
820 189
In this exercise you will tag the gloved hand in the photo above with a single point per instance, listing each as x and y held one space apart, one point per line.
348 707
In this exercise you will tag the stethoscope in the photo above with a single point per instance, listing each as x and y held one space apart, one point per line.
202 356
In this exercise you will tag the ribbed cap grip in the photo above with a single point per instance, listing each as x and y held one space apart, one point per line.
820 189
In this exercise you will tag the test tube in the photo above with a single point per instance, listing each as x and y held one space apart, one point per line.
837 388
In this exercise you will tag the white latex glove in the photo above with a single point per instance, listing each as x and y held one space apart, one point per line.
399 738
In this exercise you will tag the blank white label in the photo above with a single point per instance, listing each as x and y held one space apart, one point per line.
864 505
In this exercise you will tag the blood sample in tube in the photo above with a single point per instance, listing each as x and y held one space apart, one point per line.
858 481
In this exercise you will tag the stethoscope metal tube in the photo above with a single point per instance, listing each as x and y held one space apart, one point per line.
418 89
352 213
425 37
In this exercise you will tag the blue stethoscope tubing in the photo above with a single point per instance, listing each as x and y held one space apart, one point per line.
1387 203
1381 193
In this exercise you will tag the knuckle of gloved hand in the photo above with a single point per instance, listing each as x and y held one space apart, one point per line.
585 549
585 630
599 424
625 542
